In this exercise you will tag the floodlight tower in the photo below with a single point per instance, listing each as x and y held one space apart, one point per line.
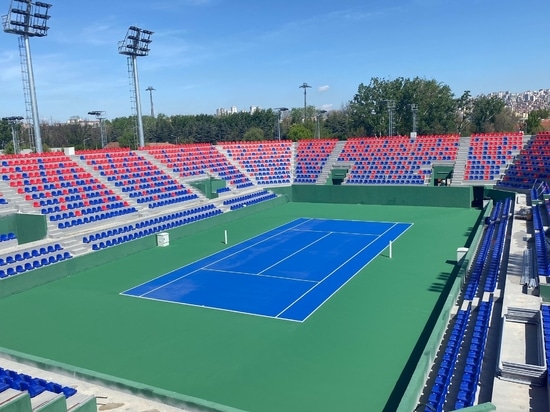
320 114
135 44
28 18
99 116
150 89
280 110
414 109
305 86
12 121
391 109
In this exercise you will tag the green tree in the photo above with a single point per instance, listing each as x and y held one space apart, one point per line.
370 108
299 131
337 124
484 112
5 134
128 140
506 121
533 123
254 134
463 113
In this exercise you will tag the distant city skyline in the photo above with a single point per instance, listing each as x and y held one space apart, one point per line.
208 54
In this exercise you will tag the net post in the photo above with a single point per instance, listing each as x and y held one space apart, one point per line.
225 236
390 249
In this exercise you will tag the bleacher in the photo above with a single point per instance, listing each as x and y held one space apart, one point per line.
117 235
199 160
59 188
490 153
532 163
268 162
138 178
456 371
25 259
33 385
311 157
396 160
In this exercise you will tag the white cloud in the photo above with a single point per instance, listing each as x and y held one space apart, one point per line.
323 88
327 106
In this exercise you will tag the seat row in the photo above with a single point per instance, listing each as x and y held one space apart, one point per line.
34 264
33 385
149 227
439 389
474 358
6 237
498 247
253 201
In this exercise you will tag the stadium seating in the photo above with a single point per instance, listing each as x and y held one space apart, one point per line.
34 386
311 157
249 199
446 370
24 260
396 160
117 235
476 349
268 162
489 154
196 160
138 177
58 187
532 164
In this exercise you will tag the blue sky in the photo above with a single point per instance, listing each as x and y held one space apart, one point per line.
207 54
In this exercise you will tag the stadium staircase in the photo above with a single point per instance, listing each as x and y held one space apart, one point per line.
460 161
331 163
267 162
249 175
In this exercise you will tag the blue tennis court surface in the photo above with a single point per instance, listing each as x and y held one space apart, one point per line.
286 273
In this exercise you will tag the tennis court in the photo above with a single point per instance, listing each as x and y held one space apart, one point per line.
285 273
355 353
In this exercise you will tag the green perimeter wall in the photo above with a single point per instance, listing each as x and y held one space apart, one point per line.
27 228
209 186
384 195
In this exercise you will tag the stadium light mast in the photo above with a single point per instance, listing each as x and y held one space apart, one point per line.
135 44
150 89
99 116
12 121
320 114
305 86
27 19
391 109
279 113
414 109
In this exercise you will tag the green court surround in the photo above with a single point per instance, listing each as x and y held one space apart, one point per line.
357 352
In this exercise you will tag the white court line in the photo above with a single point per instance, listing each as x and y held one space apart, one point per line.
366 264
296 252
335 270
204 267
220 309
215 253
232 272
338 233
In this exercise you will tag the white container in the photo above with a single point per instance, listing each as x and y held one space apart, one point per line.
163 239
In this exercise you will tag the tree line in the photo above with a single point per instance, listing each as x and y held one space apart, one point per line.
381 108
